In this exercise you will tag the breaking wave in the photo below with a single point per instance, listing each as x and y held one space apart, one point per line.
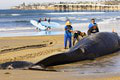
10 14
73 13
16 29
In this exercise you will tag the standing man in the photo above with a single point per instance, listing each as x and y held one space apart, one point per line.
45 19
93 27
39 21
92 23
68 34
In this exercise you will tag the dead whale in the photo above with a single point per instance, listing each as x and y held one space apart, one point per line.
92 46
16 65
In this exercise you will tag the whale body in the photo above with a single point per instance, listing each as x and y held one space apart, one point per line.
90 47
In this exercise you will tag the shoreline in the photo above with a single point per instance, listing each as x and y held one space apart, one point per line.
107 25
33 75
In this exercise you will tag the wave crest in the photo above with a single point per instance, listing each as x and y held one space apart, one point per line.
10 14
66 13
16 29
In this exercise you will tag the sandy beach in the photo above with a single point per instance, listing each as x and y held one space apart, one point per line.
41 75
30 49
35 48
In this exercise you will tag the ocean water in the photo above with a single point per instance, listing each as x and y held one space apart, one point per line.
17 22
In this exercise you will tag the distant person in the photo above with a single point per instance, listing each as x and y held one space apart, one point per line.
49 20
93 27
39 21
76 36
45 19
68 34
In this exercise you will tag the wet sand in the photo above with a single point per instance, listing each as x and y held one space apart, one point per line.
35 48
42 75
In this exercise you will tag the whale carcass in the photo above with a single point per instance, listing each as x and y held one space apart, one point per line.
90 47
16 65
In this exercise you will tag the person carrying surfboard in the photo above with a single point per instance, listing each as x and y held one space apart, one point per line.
68 34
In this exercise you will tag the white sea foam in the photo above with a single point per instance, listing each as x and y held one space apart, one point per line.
16 29
110 20
14 21
74 13
62 18
10 14
83 19
72 18
65 18
15 14
105 25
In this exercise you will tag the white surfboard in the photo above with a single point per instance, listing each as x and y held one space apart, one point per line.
37 25
44 25
51 24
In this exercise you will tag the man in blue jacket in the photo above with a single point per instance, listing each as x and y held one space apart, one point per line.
93 27
68 34
92 23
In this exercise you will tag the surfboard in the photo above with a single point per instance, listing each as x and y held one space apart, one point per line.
43 25
50 24
38 25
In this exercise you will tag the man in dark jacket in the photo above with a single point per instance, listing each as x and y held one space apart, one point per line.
93 29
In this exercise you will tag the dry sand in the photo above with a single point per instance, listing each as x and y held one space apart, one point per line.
30 49
35 48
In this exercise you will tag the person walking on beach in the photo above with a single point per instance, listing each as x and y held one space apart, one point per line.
39 21
45 19
93 27
68 34
49 20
